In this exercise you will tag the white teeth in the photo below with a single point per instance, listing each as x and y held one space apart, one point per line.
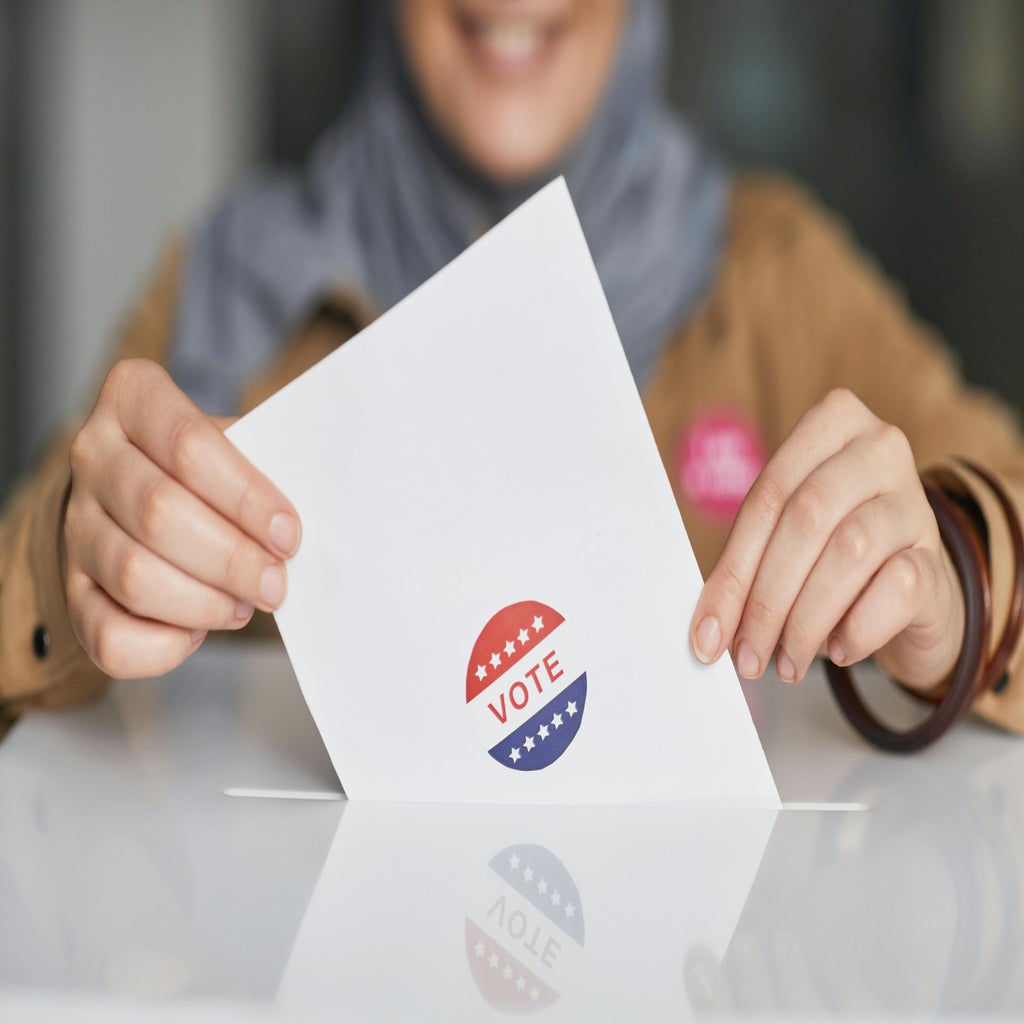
512 40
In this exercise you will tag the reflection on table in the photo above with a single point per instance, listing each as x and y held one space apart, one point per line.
910 909
125 872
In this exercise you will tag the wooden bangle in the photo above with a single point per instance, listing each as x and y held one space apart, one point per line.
1015 619
995 673
970 670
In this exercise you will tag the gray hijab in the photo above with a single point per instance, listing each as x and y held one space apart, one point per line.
384 203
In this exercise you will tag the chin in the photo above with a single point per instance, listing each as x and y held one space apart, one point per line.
511 167
508 151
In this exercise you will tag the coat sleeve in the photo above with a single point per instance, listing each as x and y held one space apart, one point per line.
42 665
828 318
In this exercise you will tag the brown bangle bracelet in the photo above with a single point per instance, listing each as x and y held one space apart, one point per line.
1015 619
995 672
970 670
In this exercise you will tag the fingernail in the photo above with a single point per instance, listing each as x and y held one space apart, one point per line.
243 611
747 661
836 652
785 667
197 636
272 586
706 639
284 532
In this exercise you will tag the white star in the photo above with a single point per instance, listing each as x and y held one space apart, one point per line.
493 959
510 647
507 971
570 708
495 660
556 721
479 947
556 898
528 875
481 671
542 887
542 732
520 983
534 994
524 637
514 754
528 743
513 861
570 910
538 624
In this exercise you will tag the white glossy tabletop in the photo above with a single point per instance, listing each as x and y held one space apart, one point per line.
133 888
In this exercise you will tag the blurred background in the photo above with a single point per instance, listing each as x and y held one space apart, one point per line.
122 120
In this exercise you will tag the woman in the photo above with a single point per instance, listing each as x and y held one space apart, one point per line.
749 323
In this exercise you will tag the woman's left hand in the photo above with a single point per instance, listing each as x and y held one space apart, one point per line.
835 549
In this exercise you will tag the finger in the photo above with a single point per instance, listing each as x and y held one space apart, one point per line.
160 419
121 645
885 609
806 525
821 432
858 547
146 586
161 514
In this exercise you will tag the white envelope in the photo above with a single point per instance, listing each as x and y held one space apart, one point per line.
492 598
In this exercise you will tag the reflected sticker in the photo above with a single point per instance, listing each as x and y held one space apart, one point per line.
525 686
525 930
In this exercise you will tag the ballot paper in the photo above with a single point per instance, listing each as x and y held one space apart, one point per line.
492 598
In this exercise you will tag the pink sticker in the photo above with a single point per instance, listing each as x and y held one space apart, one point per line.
718 457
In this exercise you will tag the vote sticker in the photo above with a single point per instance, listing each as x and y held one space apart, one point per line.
525 931
718 457
525 686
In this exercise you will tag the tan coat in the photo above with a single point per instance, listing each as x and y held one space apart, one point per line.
795 312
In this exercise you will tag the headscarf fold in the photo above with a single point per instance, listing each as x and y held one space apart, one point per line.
384 202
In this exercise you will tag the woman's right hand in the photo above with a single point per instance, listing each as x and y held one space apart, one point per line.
169 530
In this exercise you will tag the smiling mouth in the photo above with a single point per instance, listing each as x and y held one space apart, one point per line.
509 45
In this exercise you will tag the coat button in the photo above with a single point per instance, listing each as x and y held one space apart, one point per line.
41 642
